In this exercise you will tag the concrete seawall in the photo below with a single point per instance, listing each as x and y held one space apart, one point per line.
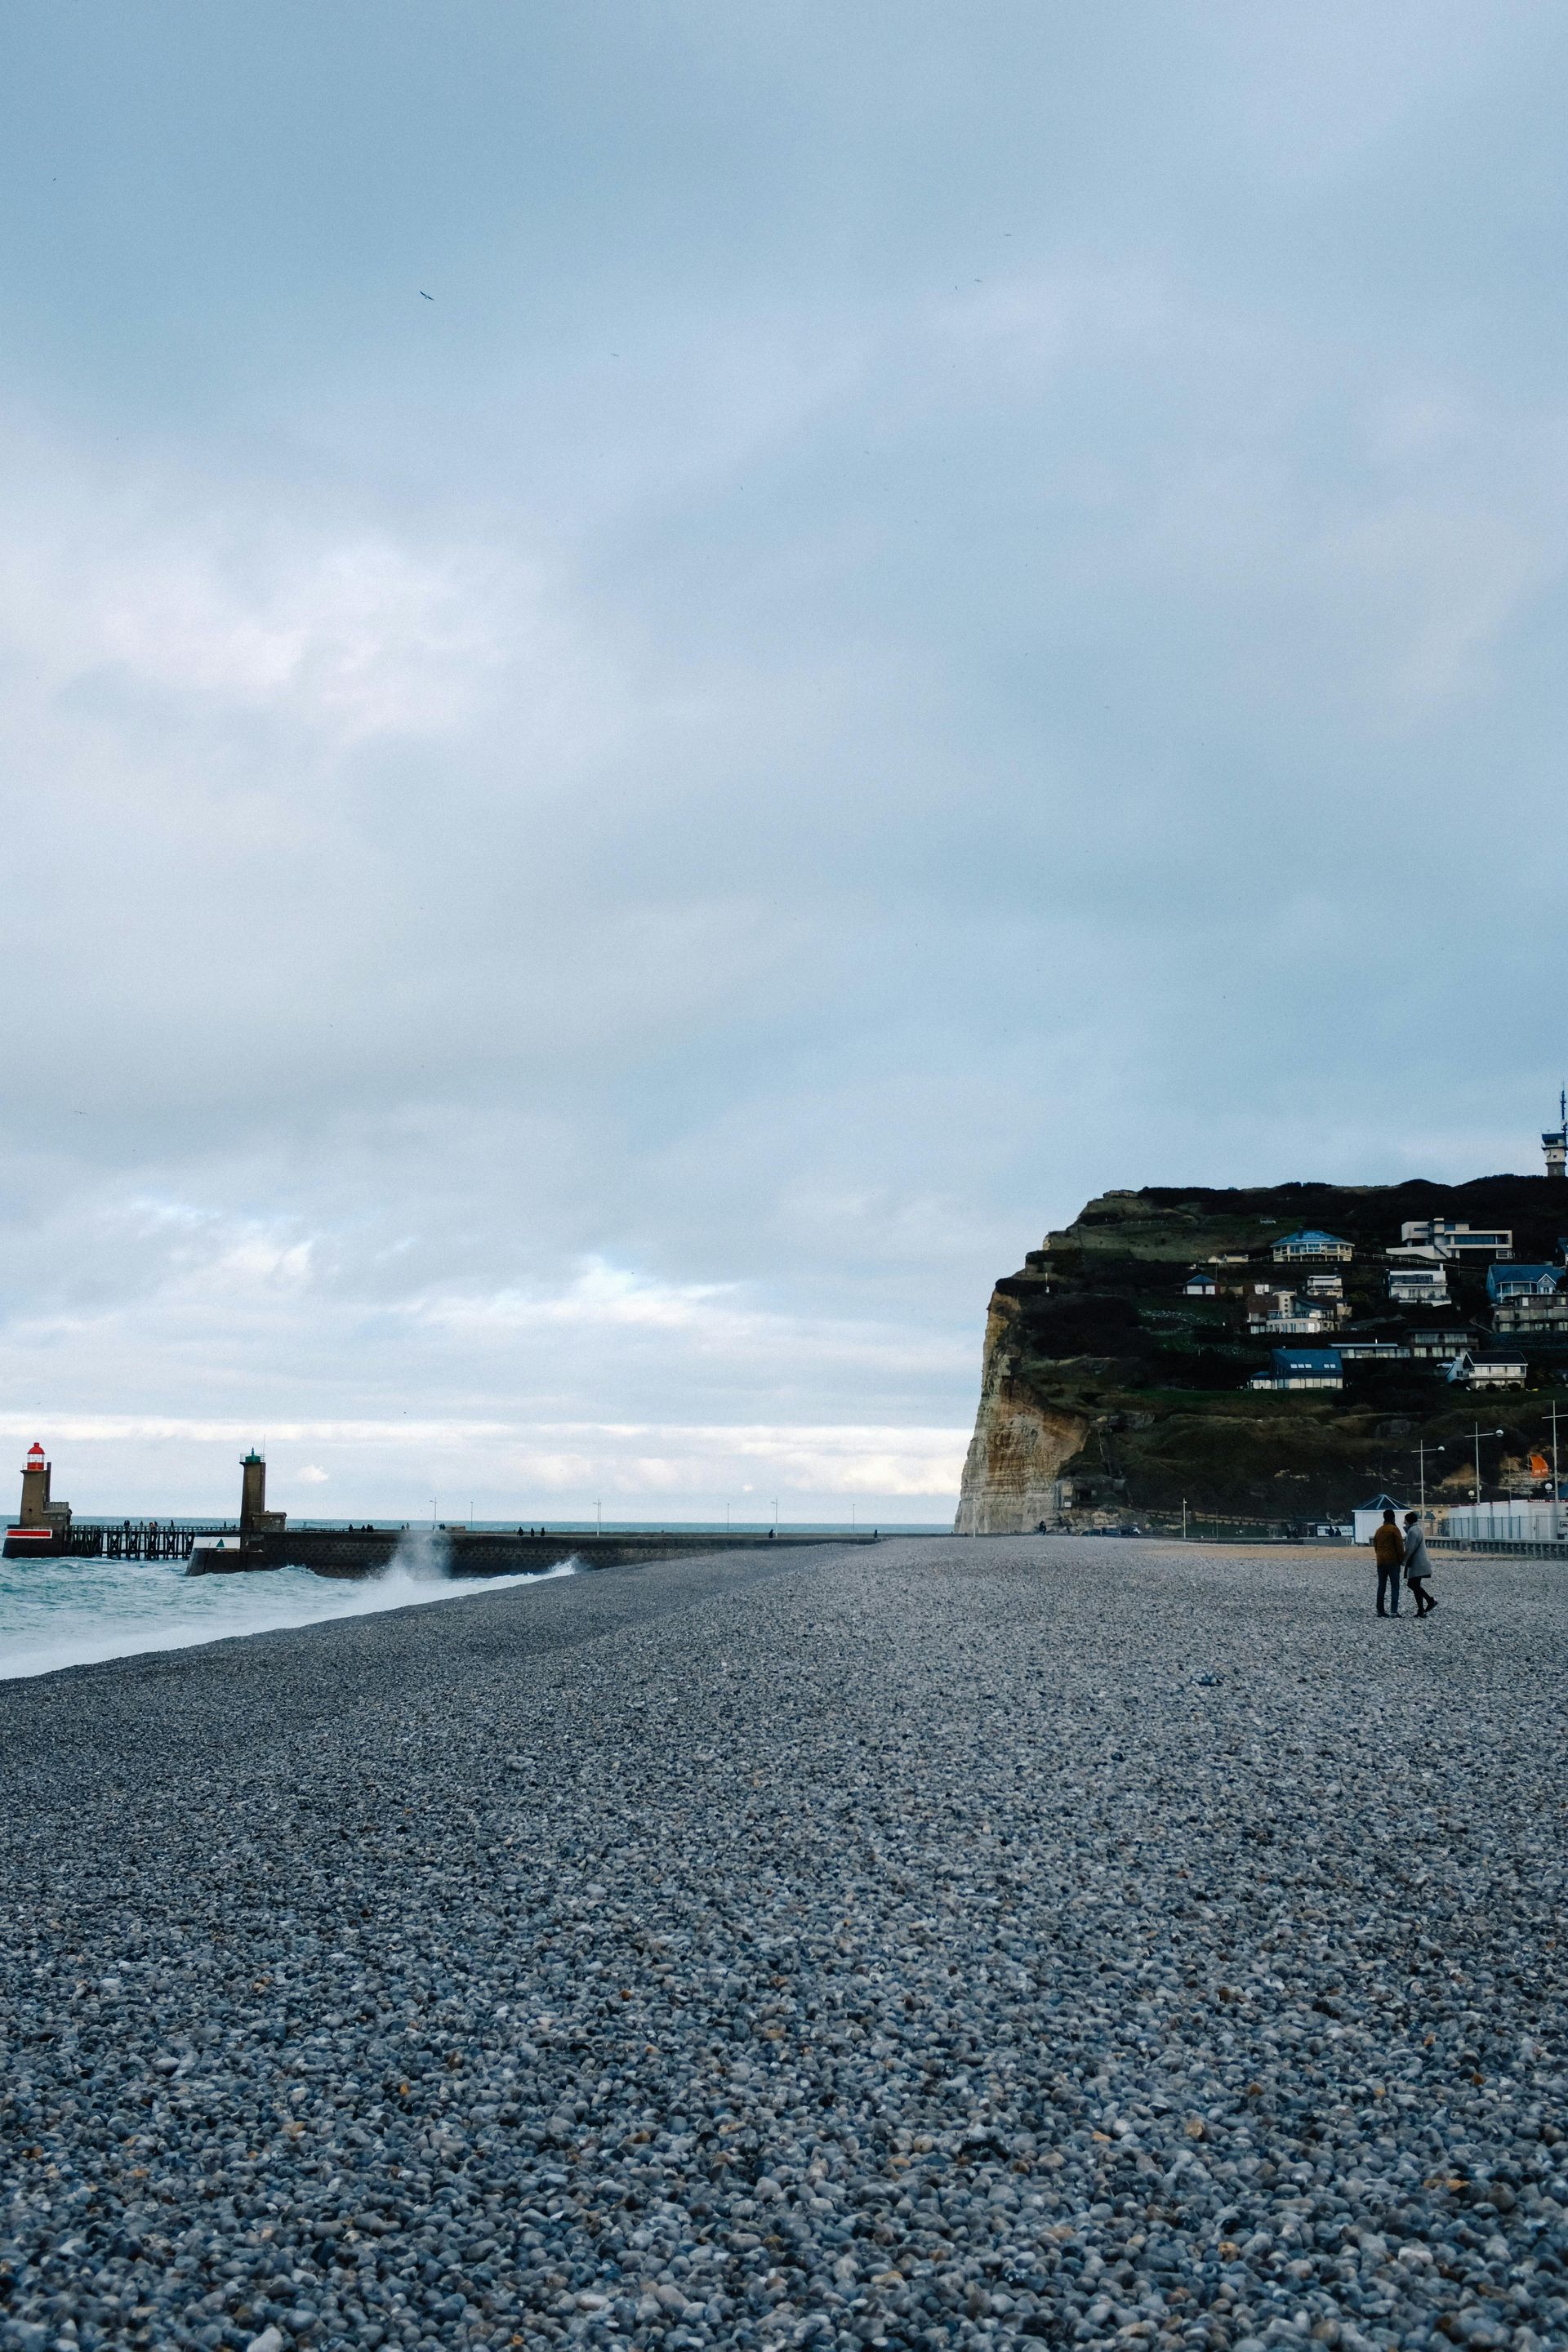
364 1551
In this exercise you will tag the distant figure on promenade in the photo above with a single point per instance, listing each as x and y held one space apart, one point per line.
1388 1549
1418 1565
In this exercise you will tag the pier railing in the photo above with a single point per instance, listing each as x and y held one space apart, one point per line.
1500 1545
358 1548
139 1538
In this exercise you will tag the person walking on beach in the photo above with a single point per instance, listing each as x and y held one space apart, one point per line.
1418 1565
1388 1551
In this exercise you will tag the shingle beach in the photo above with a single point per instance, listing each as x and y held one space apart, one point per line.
947 1943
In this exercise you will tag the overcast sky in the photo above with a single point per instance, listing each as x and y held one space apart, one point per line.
942 608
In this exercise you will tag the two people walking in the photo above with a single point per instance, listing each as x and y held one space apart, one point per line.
1393 1552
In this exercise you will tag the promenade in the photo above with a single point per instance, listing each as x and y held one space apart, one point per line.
928 1945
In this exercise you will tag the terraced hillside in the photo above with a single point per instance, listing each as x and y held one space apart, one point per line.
1101 1373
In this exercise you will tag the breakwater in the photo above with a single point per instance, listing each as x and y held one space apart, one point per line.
500 1551
369 1551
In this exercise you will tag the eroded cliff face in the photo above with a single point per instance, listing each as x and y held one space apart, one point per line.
1101 1371
1019 1443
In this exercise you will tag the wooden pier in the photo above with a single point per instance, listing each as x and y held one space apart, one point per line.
137 1539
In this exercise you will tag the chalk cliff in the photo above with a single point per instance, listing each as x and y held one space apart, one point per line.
1111 1393
1020 1441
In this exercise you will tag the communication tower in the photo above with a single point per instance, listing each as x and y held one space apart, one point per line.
1554 1142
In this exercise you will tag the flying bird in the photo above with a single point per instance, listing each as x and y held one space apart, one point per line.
428 298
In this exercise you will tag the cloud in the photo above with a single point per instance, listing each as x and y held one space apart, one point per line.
601 1294
201 601
931 624
547 1466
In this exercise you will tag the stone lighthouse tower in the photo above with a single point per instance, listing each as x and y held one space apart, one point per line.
42 1528
254 1519
34 1489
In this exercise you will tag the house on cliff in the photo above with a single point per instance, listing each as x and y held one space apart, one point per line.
1488 1371
1418 1285
1546 1317
1523 1282
1301 1368
1440 1345
1451 1238
1292 1249
1292 1319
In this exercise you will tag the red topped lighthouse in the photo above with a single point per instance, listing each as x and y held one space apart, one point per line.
35 1488
42 1524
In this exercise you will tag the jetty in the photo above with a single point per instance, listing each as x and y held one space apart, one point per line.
261 1538
500 1551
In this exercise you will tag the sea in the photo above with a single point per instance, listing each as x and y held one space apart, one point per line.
75 1612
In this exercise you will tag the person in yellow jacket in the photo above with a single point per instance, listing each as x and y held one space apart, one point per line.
1388 1551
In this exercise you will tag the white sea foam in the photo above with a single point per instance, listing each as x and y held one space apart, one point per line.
74 1612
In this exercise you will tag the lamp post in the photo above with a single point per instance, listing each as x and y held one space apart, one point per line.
1422 1450
1477 1435
1556 1505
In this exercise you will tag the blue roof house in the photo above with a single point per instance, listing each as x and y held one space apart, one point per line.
1311 1243
1512 1281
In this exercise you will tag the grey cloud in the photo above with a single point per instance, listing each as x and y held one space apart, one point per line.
934 618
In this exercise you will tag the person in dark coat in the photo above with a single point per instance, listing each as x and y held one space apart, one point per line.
1388 1551
1418 1565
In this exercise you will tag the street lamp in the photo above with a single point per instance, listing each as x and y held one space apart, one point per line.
1477 1435
1556 1489
1422 1450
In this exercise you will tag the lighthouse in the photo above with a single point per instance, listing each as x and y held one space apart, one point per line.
42 1526
254 1519
34 1489
1554 1142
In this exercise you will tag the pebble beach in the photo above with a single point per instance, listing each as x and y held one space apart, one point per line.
948 1943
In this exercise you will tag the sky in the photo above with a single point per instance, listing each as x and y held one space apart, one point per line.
670 673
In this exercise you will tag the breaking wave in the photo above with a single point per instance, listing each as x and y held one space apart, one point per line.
77 1612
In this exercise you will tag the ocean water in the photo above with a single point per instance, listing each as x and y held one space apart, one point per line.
71 1613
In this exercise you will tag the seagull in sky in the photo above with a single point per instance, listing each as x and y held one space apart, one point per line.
427 297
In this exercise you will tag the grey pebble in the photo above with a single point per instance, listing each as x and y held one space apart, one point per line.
874 1949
